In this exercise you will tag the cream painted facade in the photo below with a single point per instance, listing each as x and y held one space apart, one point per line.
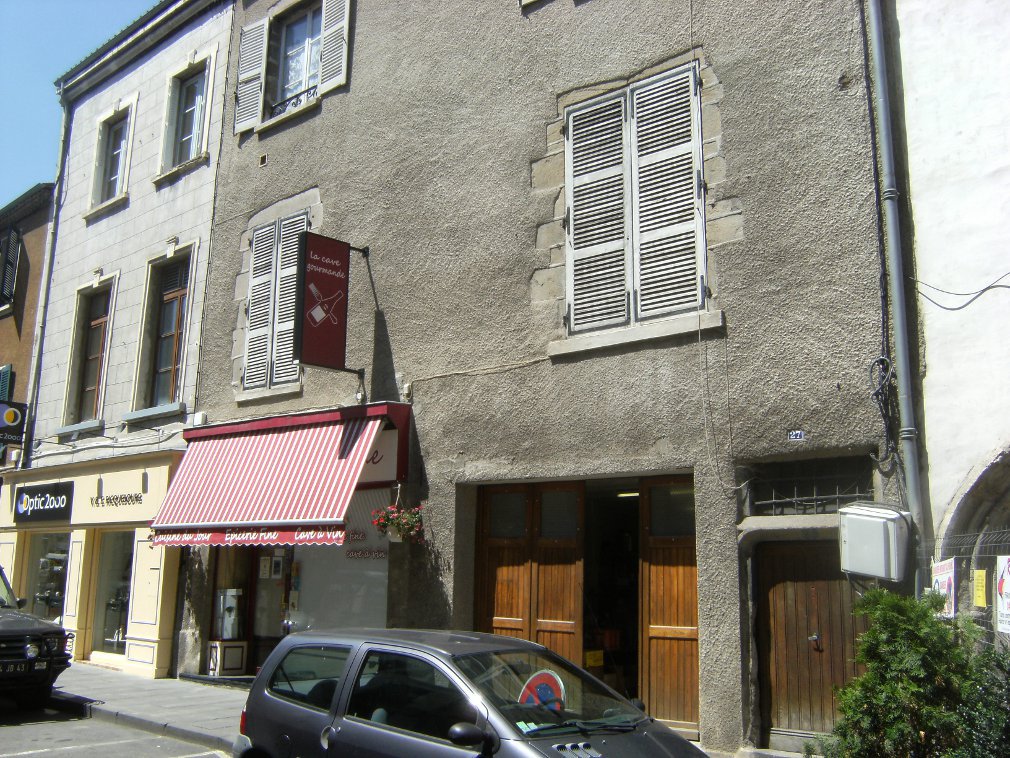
109 498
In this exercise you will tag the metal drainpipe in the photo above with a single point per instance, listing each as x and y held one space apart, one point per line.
47 268
908 435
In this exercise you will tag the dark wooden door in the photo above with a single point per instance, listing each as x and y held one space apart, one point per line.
806 637
529 564
669 603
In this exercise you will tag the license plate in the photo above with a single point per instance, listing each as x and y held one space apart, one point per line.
14 667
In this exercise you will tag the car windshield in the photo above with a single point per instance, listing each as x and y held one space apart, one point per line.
541 693
7 599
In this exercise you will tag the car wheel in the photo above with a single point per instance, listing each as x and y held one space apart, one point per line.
34 699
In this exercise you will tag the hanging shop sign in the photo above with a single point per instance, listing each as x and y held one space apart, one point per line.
44 502
12 423
321 323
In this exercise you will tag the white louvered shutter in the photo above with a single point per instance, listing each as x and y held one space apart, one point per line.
10 252
668 211
597 185
252 54
285 369
261 287
333 47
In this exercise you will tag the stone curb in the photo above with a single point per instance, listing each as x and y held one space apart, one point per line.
69 703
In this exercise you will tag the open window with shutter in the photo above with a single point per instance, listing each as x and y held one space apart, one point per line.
273 280
10 255
288 61
634 189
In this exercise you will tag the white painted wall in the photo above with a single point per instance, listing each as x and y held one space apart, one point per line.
955 57
126 239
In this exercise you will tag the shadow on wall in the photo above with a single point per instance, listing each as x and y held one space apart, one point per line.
383 379
417 597
193 607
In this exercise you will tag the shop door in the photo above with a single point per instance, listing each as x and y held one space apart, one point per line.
806 637
529 572
668 662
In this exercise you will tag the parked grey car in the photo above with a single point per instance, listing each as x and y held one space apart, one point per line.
398 693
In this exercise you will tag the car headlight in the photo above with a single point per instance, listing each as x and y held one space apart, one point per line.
31 651
55 645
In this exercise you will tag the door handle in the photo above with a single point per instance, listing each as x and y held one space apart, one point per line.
326 734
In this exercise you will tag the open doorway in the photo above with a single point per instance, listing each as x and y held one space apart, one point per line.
610 609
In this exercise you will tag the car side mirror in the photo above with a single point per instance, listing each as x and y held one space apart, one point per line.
638 703
22 602
466 734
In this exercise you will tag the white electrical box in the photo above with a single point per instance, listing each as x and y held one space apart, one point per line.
873 539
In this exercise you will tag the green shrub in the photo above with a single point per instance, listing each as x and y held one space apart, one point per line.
925 691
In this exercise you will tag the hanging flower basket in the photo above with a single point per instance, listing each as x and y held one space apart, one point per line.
399 523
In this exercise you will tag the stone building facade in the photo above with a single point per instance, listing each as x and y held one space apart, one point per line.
116 373
623 267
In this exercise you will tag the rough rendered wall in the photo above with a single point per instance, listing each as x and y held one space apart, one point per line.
431 156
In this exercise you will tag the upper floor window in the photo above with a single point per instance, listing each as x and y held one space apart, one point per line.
172 289
635 194
273 280
92 357
288 60
10 255
299 54
112 162
189 106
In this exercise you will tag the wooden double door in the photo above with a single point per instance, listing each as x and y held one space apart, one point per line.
532 564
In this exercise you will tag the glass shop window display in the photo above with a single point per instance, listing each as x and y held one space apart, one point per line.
115 567
47 575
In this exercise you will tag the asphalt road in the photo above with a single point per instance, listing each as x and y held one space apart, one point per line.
70 735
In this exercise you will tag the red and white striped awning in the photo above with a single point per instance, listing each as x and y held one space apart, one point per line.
275 485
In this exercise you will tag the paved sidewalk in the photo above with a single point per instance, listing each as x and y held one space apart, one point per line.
202 713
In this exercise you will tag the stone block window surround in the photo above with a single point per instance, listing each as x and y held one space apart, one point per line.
290 59
112 157
89 355
632 165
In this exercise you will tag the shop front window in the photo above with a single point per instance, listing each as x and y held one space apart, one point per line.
114 574
47 575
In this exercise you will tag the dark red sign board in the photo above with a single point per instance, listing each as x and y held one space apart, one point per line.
324 267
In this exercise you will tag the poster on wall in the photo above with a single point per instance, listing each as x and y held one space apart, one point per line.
1002 598
945 583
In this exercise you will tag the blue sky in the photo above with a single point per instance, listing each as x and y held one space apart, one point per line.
42 40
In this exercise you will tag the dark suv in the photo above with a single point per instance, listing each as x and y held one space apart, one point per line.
387 693
33 652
